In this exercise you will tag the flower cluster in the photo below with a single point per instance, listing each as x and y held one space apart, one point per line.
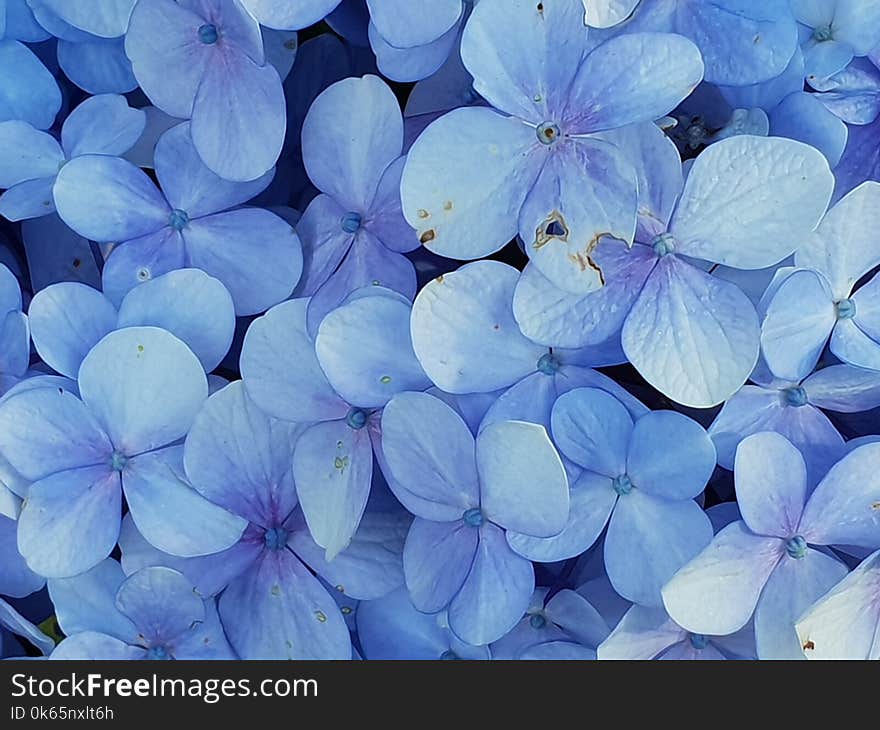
440 329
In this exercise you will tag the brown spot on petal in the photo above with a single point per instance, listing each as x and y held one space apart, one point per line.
876 505
427 236
439 279
447 206
541 8
423 213
809 646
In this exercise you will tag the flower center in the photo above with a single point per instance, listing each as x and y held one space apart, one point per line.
537 621
356 419
548 364
208 34
664 244
118 461
795 396
548 133
796 547
822 33
622 485
158 653
351 222
178 220
698 641
846 309
473 517
275 538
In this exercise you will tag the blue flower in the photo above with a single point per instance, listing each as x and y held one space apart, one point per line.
194 221
770 563
140 389
30 159
153 613
469 497
477 176
272 606
338 385
206 62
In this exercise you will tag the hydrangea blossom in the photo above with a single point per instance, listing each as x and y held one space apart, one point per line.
456 332
101 125
530 164
193 221
140 389
467 499
771 563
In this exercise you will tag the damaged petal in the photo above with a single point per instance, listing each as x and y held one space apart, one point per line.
553 227
427 236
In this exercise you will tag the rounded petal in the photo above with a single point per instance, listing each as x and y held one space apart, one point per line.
134 262
48 430
93 645
469 171
131 206
692 336
523 56
845 507
799 320
437 558
429 452
593 429
464 332
333 469
352 133
70 521
255 253
844 249
26 153
648 540
189 304
716 592
161 603
496 592
749 202
102 125
169 513
365 349
240 458
67 320
771 484
670 455
633 77
239 117
144 386
28 92
523 485
281 370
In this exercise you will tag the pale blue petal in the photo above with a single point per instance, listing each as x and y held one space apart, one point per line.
716 592
67 320
496 592
102 125
648 540
144 386
670 456
523 486
464 332
437 558
749 202
771 484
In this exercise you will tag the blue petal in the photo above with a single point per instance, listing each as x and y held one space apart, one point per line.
279 610
429 452
496 592
464 332
437 558
98 66
131 206
27 90
67 320
352 133
161 603
144 386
